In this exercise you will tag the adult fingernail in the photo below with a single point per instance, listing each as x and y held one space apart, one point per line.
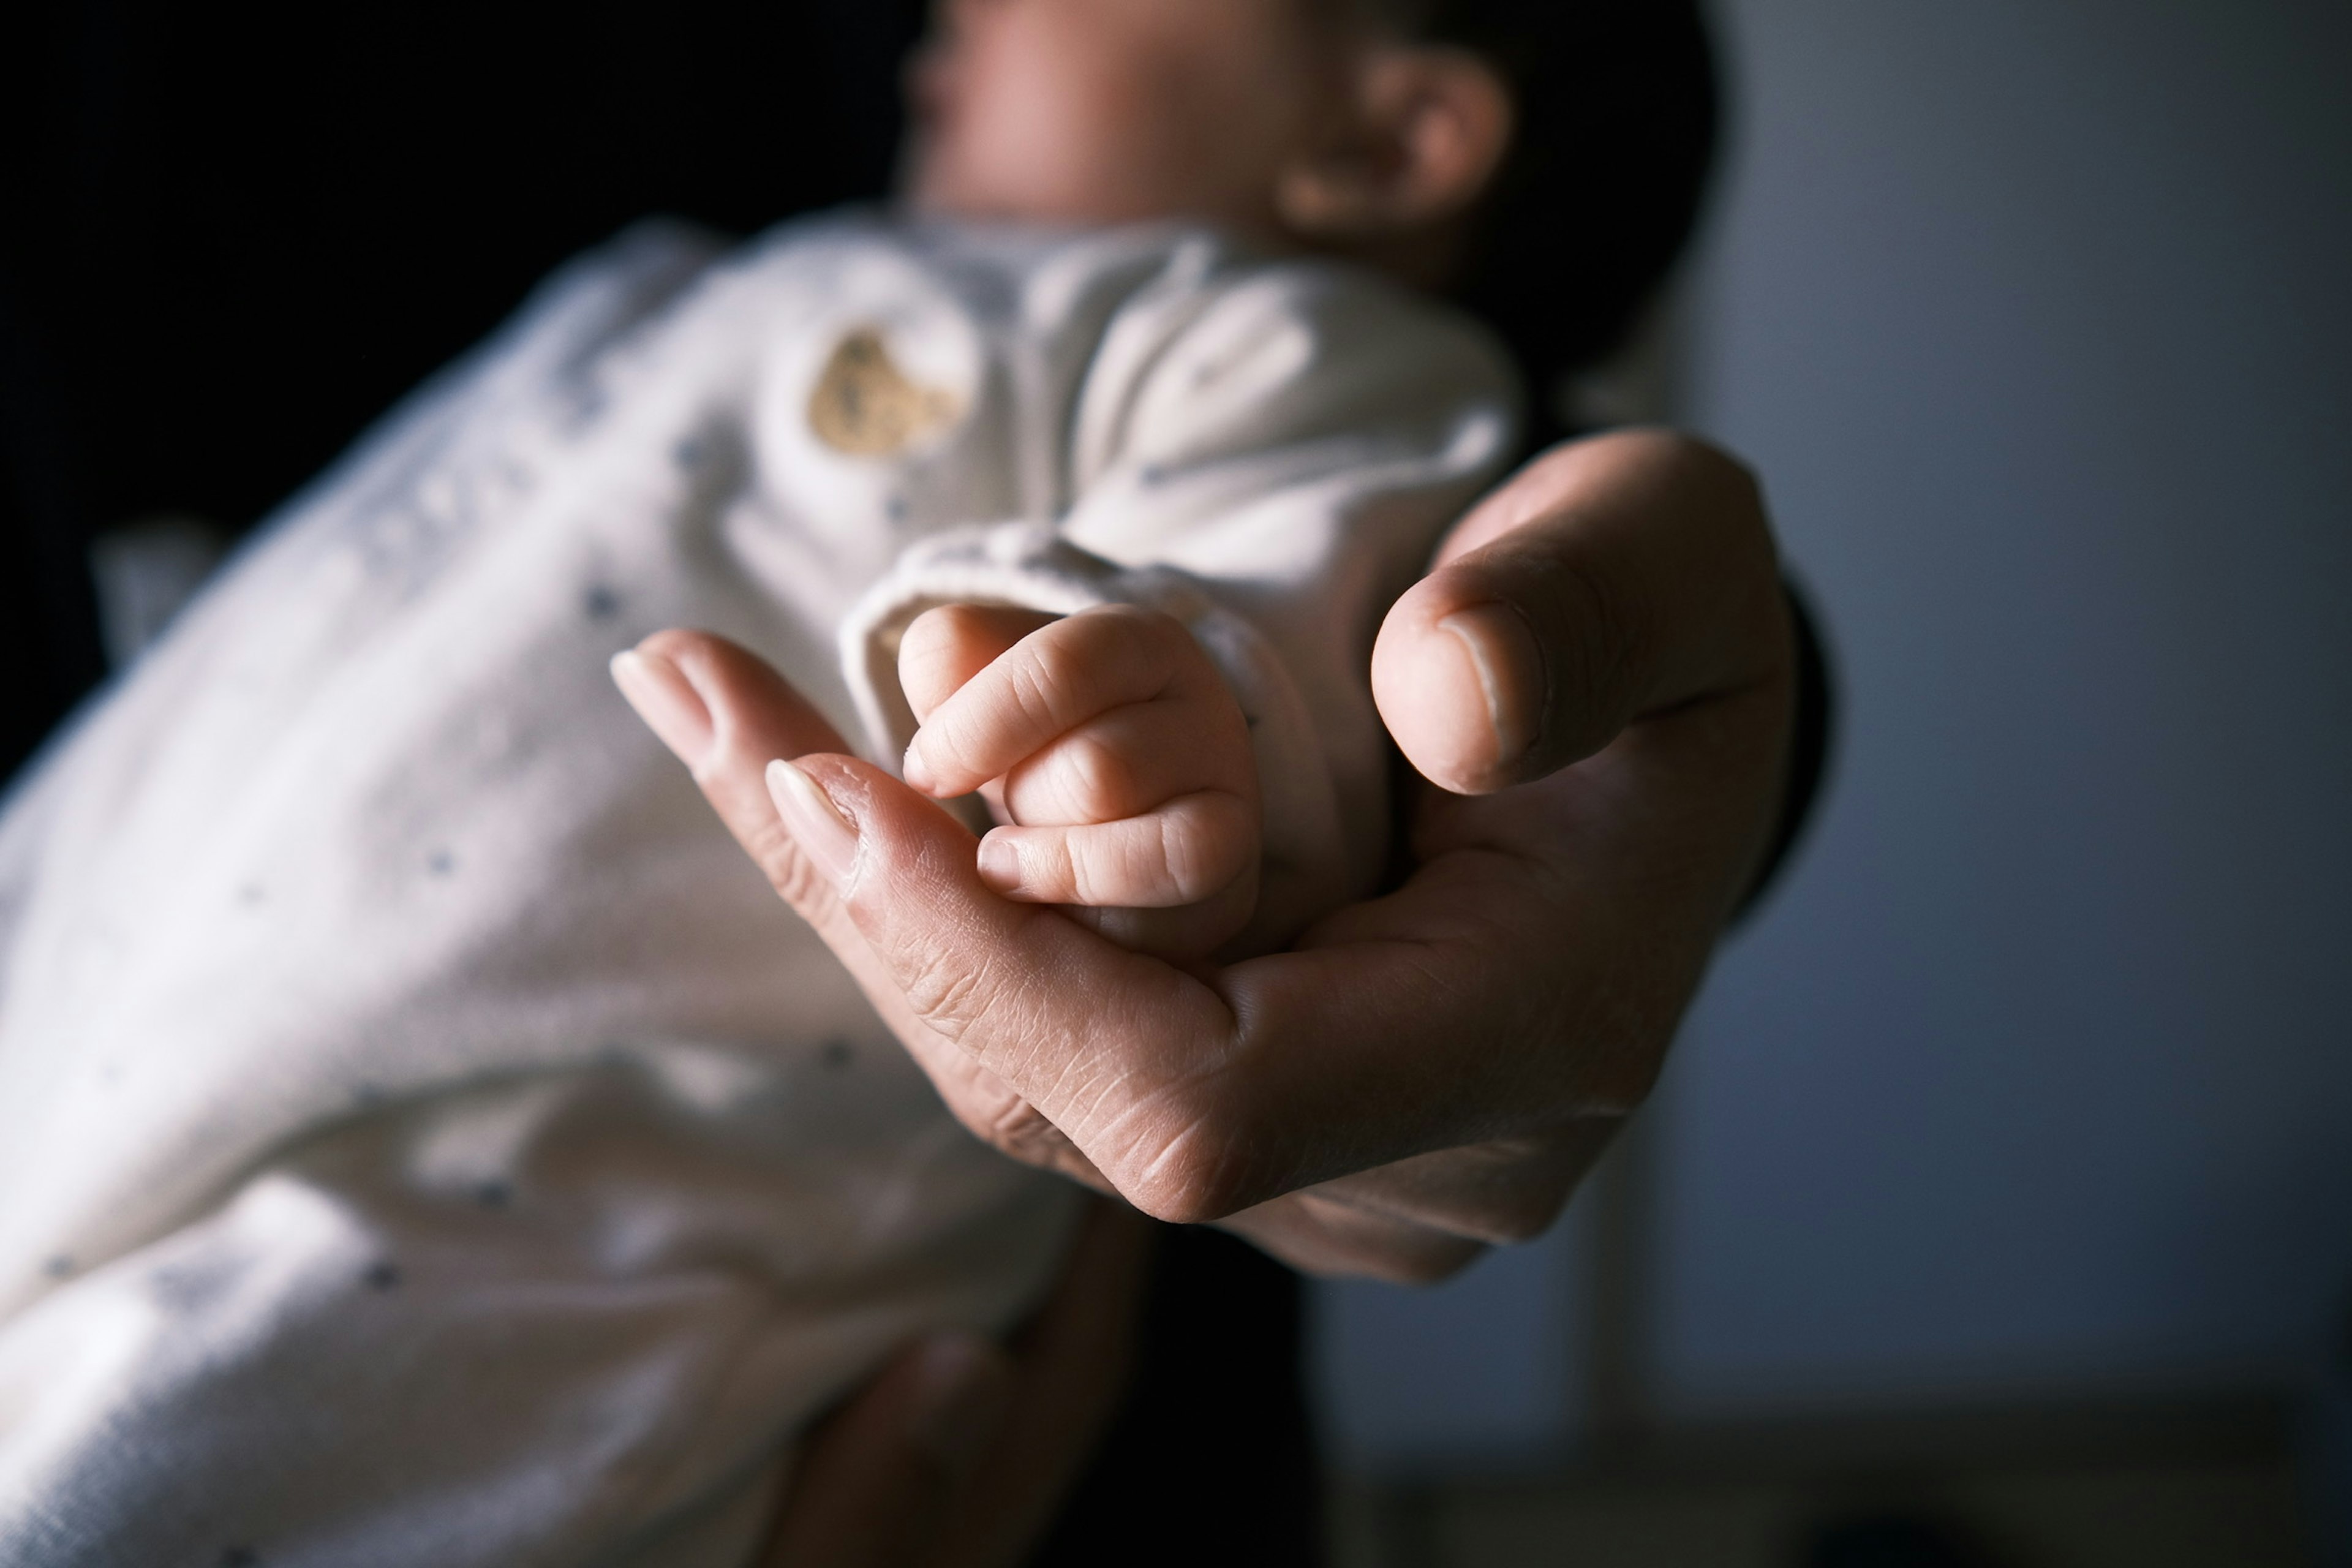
1509 668
1000 863
960 1400
667 702
816 823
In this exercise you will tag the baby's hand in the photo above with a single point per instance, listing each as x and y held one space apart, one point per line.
1113 752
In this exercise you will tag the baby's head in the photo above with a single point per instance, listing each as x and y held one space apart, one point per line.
1540 159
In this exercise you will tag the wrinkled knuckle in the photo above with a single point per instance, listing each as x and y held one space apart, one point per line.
1188 1197
788 870
948 996
1019 1129
1200 1176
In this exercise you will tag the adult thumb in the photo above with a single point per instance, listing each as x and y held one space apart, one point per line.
1611 579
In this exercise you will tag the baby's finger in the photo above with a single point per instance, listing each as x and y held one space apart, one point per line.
1188 849
1130 760
945 647
1054 681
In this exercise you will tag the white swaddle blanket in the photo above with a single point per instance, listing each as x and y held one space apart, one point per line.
424 1138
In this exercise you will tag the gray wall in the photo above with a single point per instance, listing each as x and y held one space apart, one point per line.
2036 1079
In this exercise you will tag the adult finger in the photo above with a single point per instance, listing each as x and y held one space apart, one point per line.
727 715
1099 1040
726 745
1618 576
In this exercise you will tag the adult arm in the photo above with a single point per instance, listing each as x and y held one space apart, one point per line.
1603 656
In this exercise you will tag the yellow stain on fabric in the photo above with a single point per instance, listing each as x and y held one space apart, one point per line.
865 406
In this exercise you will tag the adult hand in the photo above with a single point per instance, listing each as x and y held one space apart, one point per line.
959 1453
1602 658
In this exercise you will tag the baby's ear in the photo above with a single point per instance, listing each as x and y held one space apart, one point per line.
944 648
1419 140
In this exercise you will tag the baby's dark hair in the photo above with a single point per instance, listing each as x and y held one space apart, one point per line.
1617 115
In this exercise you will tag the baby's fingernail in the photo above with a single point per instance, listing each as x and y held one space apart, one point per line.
1000 865
667 702
1510 672
816 825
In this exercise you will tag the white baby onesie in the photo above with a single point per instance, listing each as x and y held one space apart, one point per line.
424 1138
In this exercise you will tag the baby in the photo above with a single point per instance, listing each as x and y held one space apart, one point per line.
423 1139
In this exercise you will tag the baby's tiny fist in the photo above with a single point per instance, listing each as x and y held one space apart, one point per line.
1118 757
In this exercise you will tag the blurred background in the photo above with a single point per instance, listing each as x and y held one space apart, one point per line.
2003 1179
1997 1206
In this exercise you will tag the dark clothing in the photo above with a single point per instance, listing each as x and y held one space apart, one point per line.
1212 1444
